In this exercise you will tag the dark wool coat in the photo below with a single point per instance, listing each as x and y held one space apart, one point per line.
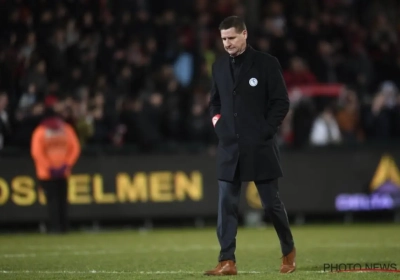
252 108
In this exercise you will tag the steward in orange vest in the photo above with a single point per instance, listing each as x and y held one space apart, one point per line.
55 149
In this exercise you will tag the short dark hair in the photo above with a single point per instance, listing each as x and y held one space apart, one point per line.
233 21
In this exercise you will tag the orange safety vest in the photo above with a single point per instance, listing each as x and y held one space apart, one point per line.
53 144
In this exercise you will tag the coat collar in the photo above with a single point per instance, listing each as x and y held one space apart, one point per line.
247 63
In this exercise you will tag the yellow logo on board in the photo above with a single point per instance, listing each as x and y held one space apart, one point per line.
252 196
387 171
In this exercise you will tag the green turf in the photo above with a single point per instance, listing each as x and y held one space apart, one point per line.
186 253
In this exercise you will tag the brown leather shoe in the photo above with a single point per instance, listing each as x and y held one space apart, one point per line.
223 268
289 262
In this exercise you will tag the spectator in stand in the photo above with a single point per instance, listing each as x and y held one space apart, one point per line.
5 129
325 130
120 47
349 118
28 98
298 74
381 118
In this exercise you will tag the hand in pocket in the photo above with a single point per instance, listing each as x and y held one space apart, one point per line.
215 119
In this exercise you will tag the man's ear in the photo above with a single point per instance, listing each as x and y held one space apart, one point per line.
245 33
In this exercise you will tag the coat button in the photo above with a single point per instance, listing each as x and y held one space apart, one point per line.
237 135
234 93
235 114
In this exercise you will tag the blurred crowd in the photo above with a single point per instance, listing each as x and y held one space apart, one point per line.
137 72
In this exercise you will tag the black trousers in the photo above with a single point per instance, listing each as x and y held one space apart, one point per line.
228 204
56 196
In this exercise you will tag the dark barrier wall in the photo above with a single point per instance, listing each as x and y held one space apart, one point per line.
121 187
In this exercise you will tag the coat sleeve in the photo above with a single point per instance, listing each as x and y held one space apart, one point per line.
74 148
215 101
38 150
278 100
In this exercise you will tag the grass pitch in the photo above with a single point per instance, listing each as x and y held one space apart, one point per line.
186 253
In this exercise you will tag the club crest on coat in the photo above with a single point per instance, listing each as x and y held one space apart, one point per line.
253 82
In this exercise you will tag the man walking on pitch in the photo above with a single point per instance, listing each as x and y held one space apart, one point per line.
248 103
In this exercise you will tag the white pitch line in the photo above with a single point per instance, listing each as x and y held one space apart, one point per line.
105 252
59 247
55 254
177 248
129 272
157 272
353 245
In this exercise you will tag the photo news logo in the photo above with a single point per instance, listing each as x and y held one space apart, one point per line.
361 267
